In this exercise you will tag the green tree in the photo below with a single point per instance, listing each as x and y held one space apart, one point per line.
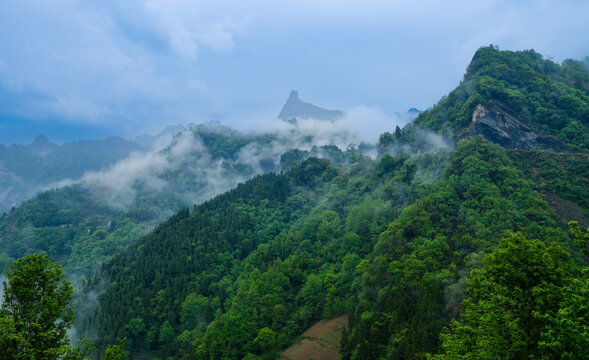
166 332
35 314
116 352
567 335
581 237
266 338
136 327
512 304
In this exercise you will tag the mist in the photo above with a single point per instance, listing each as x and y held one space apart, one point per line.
181 170
2 280
359 124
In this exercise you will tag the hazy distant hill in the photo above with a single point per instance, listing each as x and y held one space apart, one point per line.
25 169
147 140
296 108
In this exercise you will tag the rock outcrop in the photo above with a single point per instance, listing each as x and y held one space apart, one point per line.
296 108
504 129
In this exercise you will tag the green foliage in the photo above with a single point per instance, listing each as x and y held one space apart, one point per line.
35 314
411 281
292 157
581 237
511 303
390 242
566 335
564 174
278 252
266 338
69 224
116 352
543 95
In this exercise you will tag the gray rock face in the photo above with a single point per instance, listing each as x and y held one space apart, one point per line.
296 108
504 129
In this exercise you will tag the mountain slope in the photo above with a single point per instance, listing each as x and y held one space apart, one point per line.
390 242
551 101
85 223
533 107
206 283
287 232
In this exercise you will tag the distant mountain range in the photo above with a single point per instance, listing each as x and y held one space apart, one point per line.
26 169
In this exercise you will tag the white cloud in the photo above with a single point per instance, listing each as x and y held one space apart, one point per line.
219 35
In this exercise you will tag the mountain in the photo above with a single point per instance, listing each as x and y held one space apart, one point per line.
389 241
26 169
85 223
148 141
518 99
394 236
313 232
296 108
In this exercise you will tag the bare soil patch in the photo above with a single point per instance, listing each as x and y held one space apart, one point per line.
320 342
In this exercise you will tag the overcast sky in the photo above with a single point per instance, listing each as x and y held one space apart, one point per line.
90 69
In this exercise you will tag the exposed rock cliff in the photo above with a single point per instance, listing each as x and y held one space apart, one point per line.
502 128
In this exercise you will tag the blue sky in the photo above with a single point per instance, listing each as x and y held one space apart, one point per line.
90 69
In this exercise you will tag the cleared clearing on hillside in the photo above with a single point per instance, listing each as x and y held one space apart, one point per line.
320 342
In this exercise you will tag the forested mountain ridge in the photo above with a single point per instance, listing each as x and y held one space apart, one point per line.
390 242
550 100
208 282
298 218
536 109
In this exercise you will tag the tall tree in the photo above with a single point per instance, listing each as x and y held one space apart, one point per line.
580 237
35 314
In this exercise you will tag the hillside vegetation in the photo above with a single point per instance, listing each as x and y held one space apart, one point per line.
549 98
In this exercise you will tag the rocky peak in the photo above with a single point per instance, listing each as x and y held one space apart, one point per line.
296 108
504 129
